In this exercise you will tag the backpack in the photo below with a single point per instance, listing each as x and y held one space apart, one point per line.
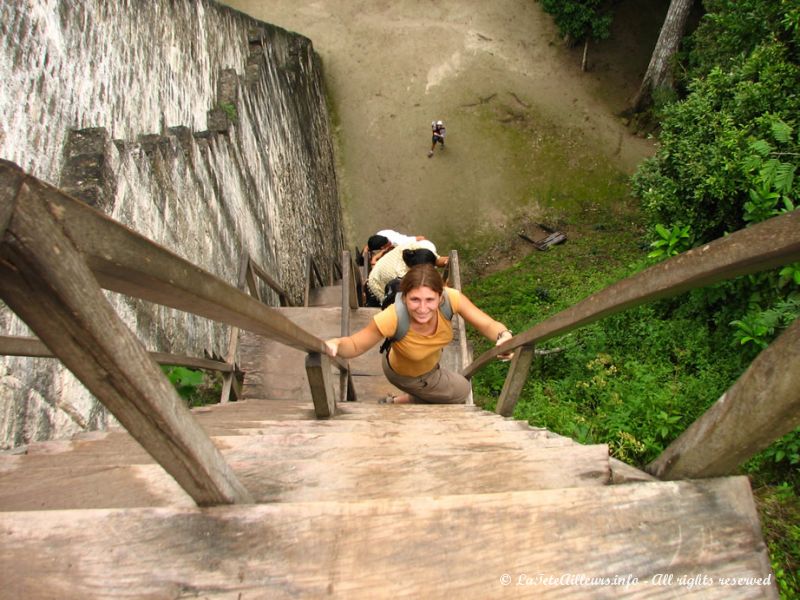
402 318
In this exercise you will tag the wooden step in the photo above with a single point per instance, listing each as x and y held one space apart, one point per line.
328 295
314 464
118 448
635 541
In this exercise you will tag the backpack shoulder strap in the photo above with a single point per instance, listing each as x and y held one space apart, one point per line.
402 323
402 318
447 308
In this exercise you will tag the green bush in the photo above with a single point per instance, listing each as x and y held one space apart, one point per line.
580 19
195 386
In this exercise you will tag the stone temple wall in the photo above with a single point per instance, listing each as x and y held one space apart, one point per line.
193 124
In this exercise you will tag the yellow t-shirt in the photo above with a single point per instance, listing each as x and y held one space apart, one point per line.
416 354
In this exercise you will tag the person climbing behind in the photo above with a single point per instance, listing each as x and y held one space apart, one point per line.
393 264
412 362
379 244
438 133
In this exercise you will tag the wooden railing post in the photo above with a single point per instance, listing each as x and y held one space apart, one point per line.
318 370
349 301
46 282
229 381
454 274
762 406
515 380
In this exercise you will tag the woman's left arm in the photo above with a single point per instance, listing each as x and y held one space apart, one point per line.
494 330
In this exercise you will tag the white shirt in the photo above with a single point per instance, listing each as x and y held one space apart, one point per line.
397 239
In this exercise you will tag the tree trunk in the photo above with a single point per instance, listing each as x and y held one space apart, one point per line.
659 70
585 55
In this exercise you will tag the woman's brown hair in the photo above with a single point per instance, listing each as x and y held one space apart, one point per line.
422 275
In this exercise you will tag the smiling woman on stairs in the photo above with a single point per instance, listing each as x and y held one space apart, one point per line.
411 362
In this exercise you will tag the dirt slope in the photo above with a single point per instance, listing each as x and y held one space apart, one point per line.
526 129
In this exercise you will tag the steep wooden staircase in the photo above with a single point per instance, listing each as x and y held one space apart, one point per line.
381 501
291 492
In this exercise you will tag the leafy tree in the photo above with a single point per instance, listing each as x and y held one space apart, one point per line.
731 30
659 71
580 20
703 173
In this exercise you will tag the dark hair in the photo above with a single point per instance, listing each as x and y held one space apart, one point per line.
390 291
376 242
419 256
424 275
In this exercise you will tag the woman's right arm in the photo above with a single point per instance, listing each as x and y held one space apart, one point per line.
356 344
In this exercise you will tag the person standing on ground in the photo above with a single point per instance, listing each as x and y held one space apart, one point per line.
412 363
438 133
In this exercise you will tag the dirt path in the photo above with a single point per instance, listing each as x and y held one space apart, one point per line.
525 128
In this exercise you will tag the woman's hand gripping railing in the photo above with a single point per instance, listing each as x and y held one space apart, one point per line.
764 246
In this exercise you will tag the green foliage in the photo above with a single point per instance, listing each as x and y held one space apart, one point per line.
779 510
707 164
728 155
670 241
580 19
785 450
230 110
758 326
196 387
731 29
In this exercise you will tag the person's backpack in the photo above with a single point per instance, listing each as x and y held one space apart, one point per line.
402 318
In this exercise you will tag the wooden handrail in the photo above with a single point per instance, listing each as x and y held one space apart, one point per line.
46 281
55 255
283 297
312 273
760 247
36 348
762 405
126 262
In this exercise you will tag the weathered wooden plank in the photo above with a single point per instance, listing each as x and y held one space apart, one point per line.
276 287
515 380
315 472
89 485
757 248
762 406
542 545
46 282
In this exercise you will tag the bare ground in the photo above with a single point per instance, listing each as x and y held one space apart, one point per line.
527 131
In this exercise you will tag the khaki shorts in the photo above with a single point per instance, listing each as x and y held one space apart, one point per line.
437 386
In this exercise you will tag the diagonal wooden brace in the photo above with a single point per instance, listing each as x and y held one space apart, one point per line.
47 283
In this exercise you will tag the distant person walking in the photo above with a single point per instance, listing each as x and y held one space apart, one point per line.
438 132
